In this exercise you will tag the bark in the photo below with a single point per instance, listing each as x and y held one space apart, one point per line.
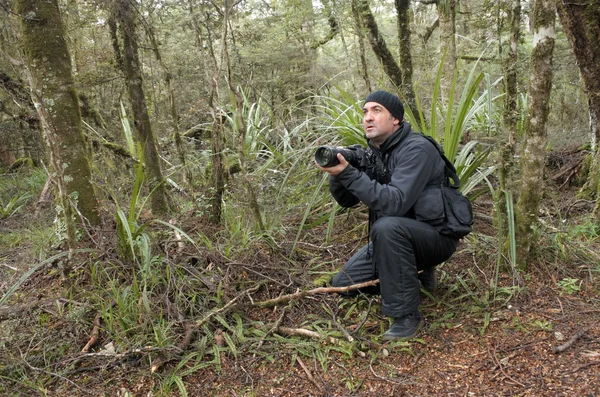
378 44
218 139
125 16
581 22
55 99
511 116
241 126
447 26
361 45
406 67
533 156
187 174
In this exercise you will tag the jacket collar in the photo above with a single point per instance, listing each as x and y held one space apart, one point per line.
394 139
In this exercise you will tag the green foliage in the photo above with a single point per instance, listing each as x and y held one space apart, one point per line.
569 285
14 205
458 119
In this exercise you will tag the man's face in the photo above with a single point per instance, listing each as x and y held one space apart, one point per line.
378 122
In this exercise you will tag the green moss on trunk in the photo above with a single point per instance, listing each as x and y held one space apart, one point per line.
55 99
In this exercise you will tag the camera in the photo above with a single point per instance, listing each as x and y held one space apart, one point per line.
326 156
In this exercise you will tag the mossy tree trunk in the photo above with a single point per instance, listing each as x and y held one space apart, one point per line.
361 45
447 18
581 23
534 154
378 44
511 117
126 17
406 67
241 126
219 175
55 99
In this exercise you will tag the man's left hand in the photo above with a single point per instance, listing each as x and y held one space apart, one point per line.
336 169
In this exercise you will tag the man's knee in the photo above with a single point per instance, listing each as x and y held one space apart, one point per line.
340 280
387 226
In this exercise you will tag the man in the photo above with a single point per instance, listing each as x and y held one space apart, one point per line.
405 169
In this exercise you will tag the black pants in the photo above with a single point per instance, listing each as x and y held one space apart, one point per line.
399 248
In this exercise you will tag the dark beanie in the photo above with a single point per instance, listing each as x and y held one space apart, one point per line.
390 101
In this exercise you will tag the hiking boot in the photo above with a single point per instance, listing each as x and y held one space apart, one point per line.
428 279
404 327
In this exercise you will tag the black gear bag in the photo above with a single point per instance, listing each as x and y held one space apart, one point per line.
456 213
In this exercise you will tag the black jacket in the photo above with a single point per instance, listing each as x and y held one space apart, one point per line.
411 163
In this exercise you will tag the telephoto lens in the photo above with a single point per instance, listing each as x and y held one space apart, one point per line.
326 156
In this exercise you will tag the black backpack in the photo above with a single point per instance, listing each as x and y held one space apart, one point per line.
458 212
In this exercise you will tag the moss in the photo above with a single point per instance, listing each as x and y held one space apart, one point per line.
53 87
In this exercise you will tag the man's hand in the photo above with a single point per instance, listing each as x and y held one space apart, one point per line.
336 169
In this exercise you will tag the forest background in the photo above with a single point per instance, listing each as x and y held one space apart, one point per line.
164 230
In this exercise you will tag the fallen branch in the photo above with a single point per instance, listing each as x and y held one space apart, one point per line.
94 335
227 306
307 333
320 290
314 335
570 342
182 346
307 372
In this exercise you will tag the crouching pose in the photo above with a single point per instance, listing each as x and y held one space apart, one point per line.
400 182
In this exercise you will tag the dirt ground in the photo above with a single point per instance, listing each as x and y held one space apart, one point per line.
535 334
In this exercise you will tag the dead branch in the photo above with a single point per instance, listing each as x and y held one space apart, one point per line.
182 346
44 196
227 306
307 372
320 290
273 329
570 342
591 363
307 333
338 325
94 335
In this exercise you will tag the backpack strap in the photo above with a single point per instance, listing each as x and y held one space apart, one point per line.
449 169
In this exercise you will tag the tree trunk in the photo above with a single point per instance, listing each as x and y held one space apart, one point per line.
361 45
217 138
125 15
534 155
406 67
581 23
53 93
447 18
187 174
511 116
241 126
378 44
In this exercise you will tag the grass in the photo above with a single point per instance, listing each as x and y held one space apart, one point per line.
145 287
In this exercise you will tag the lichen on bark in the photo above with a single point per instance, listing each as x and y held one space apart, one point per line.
55 99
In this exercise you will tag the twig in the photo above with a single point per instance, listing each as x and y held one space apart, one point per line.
307 333
320 290
182 346
499 366
355 331
227 306
569 343
95 333
338 325
307 372
273 329
595 362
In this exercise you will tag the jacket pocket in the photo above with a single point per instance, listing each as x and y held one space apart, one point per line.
429 207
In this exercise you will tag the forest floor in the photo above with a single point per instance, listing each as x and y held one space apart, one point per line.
533 334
